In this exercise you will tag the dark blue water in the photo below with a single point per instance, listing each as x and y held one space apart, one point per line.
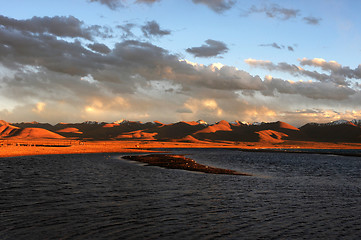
99 196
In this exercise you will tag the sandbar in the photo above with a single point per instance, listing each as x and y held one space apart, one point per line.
172 161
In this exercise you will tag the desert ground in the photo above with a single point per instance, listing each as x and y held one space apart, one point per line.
11 148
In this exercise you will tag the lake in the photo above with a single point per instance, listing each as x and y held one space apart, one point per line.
102 196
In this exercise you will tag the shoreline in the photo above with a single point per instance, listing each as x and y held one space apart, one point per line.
50 146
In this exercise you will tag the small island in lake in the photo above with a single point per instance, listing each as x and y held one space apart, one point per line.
180 162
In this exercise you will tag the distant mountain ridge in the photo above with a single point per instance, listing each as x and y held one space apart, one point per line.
236 131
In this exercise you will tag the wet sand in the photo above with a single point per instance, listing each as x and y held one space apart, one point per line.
180 162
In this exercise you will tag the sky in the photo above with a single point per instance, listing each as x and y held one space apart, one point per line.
296 61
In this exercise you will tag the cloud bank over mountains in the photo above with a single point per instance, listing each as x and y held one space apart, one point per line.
63 69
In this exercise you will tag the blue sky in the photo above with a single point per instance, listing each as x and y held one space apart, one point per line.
173 60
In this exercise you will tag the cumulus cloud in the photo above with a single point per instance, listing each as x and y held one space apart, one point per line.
46 51
313 90
60 26
218 6
54 79
152 28
333 67
337 77
212 48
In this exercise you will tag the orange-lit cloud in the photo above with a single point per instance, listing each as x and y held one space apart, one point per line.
39 107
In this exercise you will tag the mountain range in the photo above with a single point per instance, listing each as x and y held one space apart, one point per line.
272 132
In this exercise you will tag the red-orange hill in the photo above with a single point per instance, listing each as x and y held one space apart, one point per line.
11 132
273 132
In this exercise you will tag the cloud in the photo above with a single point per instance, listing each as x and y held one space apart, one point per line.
68 76
99 47
112 4
152 28
281 13
333 67
46 51
127 29
212 48
274 45
313 90
277 46
275 11
312 20
319 62
39 107
218 6
321 115
147 1
339 78
58 26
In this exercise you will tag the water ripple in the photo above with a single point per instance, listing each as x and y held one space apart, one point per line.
97 197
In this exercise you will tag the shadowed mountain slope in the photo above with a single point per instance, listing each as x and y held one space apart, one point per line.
343 132
7 130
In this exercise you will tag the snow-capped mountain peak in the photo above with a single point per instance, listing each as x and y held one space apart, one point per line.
202 122
121 121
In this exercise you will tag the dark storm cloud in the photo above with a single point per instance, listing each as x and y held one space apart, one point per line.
152 28
275 11
218 6
59 26
312 20
212 48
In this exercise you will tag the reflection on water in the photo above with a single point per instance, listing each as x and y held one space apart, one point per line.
97 196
